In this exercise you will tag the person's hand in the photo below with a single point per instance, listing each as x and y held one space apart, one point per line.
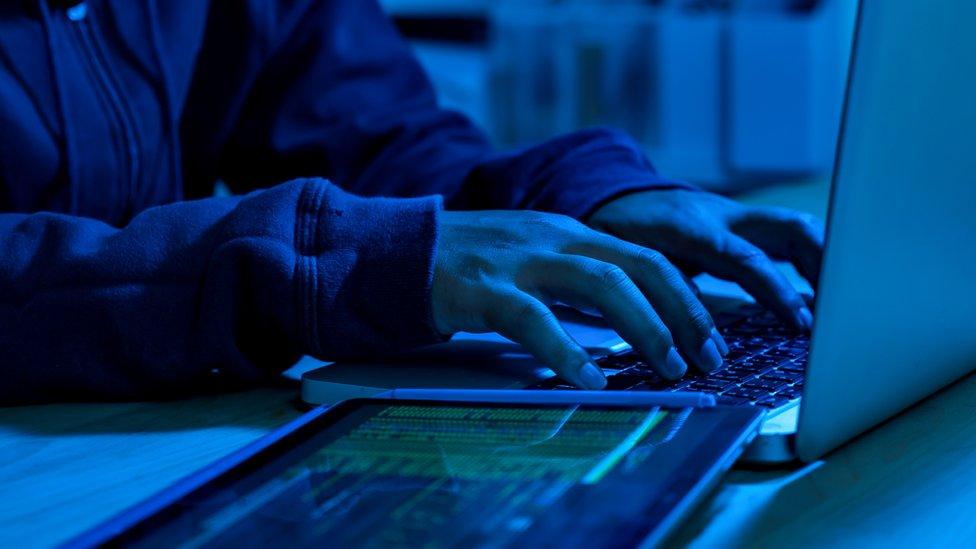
701 231
500 271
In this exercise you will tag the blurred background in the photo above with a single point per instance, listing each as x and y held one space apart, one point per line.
728 94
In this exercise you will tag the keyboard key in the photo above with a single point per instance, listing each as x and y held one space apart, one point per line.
642 369
785 377
755 369
678 384
726 400
745 392
768 359
727 375
653 380
747 379
736 353
798 345
645 386
792 367
709 386
767 385
748 373
752 348
781 353
750 366
790 392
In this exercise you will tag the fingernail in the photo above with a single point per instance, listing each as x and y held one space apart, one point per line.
591 377
805 318
674 365
723 347
711 360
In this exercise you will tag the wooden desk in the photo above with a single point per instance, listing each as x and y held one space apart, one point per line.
65 468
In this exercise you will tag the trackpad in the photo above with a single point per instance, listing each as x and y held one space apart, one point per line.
483 361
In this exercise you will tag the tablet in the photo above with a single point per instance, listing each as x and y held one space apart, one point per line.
382 473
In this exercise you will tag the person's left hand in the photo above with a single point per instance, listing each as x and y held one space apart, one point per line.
704 232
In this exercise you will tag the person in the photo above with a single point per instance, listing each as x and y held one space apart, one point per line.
365 218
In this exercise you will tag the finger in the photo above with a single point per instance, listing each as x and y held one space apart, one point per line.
751 268
673 297
691 284
665 288
525 320
606 287
789 235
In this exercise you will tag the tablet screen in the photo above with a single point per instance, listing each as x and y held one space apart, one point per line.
391 473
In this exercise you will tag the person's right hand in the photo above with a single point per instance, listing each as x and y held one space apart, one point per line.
498 271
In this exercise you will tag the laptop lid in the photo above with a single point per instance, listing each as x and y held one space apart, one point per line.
897 297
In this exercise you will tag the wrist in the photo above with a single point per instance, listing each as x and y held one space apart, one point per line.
604 209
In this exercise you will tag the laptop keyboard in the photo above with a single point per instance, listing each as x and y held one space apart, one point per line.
765 365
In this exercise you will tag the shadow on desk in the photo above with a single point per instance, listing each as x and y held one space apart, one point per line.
912 481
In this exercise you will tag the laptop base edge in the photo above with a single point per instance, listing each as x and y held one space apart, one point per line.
776 443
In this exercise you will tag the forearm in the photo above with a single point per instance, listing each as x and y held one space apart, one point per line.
572 175
209 294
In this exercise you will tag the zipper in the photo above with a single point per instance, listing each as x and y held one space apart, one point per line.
104 79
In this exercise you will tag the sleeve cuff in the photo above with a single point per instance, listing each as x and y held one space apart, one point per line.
573 174
364 272
594 167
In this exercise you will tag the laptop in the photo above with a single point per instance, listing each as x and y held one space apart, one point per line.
895 311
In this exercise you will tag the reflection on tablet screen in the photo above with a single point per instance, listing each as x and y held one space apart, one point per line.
454 475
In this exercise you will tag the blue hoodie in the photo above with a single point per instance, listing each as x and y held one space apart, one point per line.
121 279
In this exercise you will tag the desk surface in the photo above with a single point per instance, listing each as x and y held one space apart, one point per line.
64 468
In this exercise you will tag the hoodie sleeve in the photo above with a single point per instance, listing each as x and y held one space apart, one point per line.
330 88
209 294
